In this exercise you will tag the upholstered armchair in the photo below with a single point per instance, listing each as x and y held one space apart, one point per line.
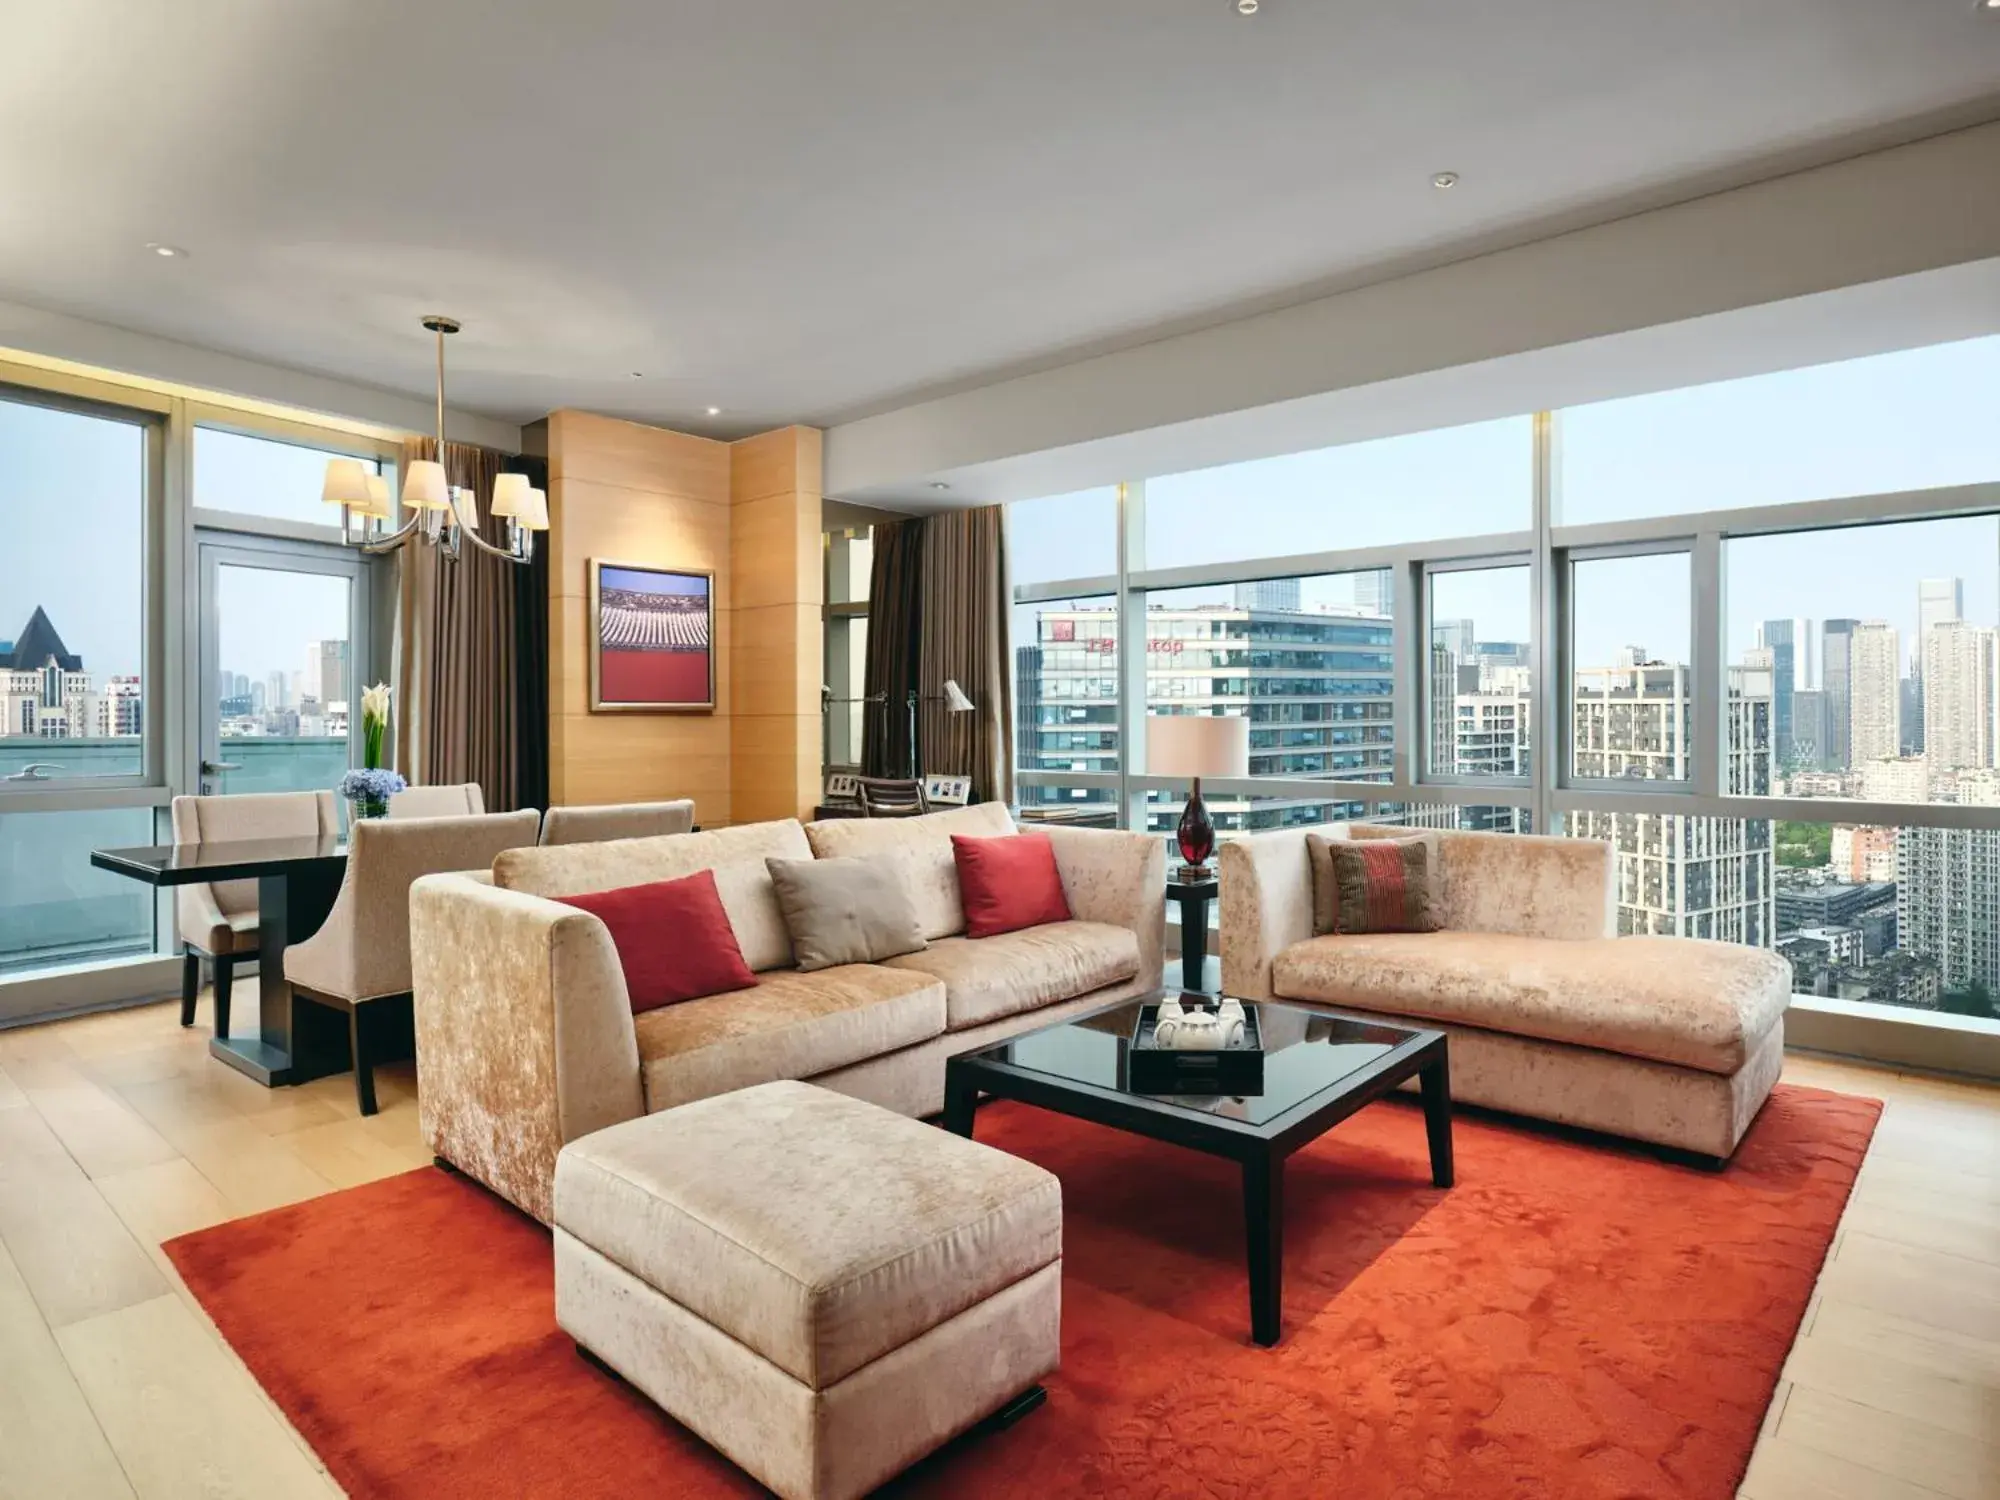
629 820
462 801
219 921
359 960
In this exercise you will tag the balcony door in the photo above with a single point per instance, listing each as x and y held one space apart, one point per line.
284 654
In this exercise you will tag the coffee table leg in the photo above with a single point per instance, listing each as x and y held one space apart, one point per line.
1264 1234
960 1099
1437 1119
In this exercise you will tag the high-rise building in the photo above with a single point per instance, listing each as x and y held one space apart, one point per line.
1781 638
1906 778
1810 747
1267 593
1458 637
1939 602
1835 658
325 678
1959 661
1875 694
1685 876
1374 592
1948 891
1317 687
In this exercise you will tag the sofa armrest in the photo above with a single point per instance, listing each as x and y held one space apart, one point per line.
524 1033
1267 905
1119 879
1529 885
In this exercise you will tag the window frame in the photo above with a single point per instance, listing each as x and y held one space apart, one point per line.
1549 796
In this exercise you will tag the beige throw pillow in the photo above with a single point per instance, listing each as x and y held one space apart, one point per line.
846 911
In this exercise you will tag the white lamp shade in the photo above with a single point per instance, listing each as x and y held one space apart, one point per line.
346 482
424 486
465 505
1197 745
535 512
378 498
955 700
510 493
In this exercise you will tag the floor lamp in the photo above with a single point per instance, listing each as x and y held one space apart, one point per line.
954 700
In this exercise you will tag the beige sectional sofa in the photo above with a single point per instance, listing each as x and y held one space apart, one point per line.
526 1039
1676 1041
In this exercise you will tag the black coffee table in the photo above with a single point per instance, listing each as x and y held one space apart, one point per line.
1320 1066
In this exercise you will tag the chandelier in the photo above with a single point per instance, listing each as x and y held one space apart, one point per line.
440 515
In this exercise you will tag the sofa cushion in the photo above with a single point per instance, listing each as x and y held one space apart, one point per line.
924 846
814 1229
736 855
1008 883
988 978
673 939
790 1025
1686 1001
1373 885
845 911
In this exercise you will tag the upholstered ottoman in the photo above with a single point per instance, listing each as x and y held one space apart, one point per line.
821 1289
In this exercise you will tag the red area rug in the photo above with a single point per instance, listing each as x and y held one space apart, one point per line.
1574 1319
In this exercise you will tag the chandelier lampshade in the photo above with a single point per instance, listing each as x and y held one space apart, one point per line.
510 493
440 516
536 516
346 483
424 487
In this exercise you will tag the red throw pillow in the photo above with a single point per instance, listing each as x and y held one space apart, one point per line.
673 939
1008 883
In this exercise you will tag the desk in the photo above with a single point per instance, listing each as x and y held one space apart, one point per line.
297 880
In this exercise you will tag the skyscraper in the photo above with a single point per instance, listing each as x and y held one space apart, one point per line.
1875 702
1836 652
1948 892
1939 600
1685 876
1268 593
1958 665
1781 639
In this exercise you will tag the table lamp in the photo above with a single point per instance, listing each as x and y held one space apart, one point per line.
1197 745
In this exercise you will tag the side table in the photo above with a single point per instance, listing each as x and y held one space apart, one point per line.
1193 896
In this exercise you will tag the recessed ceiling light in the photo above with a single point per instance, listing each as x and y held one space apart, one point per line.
167 251
638 374
1444 179
1987 5
1246 7
939 484
714 411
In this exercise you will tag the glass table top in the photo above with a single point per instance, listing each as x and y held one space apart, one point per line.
1306 1053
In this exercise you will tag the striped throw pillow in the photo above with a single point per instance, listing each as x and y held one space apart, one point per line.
1381 885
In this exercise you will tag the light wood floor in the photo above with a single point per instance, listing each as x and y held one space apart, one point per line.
118 1131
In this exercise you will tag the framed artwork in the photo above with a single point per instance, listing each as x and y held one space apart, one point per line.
652 639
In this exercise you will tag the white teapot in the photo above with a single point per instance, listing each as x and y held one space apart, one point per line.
1198 1030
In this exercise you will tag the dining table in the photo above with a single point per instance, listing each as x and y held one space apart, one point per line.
297 881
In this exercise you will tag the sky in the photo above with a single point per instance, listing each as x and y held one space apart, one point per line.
1910 420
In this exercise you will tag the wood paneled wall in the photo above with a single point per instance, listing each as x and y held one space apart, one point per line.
749 513
777 578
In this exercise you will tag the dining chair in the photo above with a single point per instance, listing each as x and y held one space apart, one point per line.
359 960
460 801
219 921
627 820
891 797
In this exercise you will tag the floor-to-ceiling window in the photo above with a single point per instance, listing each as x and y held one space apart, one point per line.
1744 632
122 502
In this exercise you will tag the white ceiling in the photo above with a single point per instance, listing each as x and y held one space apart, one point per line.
804 211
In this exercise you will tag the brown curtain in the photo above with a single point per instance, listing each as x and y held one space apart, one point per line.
892 647
962 611
456 648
